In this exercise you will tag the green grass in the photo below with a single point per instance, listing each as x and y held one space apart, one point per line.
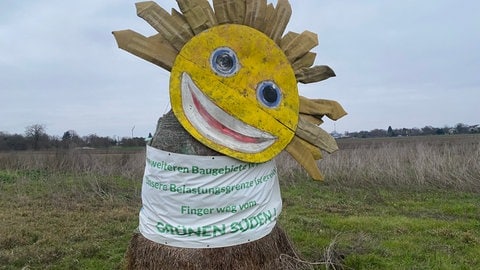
61 221
385 228
65 222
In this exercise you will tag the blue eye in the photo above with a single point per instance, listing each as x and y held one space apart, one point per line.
269 94
224 62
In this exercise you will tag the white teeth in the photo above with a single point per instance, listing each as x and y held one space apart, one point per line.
217 125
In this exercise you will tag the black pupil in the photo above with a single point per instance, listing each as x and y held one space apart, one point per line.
270 94
224 61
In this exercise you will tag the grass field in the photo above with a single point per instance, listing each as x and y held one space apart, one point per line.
396 203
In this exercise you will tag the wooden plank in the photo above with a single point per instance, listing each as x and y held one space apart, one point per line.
172 28
312 119
304 62
302 155
229 11
314 74
198 13
301 45
277 24
221 11
270 10
287 38
154 49
316 136
255 13
321 107
186 32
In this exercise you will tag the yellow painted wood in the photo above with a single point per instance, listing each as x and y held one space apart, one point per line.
260 60
154 49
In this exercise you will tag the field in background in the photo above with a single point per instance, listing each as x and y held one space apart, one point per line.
405 203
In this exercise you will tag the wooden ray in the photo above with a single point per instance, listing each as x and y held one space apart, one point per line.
316 136
314 74
181 22
287 38
171 27
277 24
312 149
255 12
198 13
301 45
304 62
316 120
154 49
229 11
300 152
221 11
269 12
321 107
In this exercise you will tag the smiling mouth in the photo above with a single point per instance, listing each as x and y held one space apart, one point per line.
219 126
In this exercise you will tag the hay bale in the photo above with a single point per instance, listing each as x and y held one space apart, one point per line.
273 251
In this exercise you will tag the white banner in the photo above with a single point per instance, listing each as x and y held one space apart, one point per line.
207 201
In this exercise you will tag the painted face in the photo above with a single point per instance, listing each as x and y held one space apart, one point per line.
233 89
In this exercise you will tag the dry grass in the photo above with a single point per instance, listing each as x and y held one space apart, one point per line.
113 162
446 162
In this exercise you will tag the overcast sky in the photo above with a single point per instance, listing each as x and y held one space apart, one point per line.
402 63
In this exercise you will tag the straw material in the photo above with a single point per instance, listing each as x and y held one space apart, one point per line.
273 251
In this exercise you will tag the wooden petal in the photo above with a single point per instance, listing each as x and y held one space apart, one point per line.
154 49
221 11
314 74
255 13
304 62
301 45
198 13
171 27
181 22
300 152
312 119
287 39
316 136
229 11
269 12
321 107
277 24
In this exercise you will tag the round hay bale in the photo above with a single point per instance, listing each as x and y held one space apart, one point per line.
273 251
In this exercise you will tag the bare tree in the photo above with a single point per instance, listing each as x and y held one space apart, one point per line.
35 133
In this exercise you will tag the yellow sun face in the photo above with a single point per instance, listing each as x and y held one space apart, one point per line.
234 76
233 89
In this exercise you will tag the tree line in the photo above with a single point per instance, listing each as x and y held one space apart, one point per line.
36 138
460 128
